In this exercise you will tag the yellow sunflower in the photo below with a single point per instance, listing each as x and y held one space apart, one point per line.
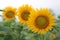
53 35
23 13
9 13
41 21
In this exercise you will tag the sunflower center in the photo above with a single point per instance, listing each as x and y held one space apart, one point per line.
41 22
10 14
25 15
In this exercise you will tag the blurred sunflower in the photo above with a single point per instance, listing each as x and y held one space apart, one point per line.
9 13
24 12
41 21
53 35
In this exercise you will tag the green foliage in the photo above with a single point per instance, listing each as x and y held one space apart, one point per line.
11 30
59 16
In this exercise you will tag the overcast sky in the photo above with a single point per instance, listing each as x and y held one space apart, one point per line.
51 4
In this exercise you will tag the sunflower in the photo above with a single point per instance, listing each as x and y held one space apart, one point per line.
41 21
23 13
9 13
53 35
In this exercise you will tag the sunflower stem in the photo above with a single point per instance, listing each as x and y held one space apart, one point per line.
19 33
43 37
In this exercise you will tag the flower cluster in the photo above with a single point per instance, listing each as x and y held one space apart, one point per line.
39 21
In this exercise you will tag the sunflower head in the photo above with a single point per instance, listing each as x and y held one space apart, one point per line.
23 13
41 21
53 35
9 13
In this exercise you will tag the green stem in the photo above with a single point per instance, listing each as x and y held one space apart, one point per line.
19 36
42 37
19 32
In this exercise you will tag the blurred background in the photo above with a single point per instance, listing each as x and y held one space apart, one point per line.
51 4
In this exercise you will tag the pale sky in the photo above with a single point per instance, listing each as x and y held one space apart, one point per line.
54 5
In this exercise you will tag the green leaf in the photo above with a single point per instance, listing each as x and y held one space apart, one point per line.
57 38
8 37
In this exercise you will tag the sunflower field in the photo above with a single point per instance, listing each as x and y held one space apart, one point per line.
27 23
